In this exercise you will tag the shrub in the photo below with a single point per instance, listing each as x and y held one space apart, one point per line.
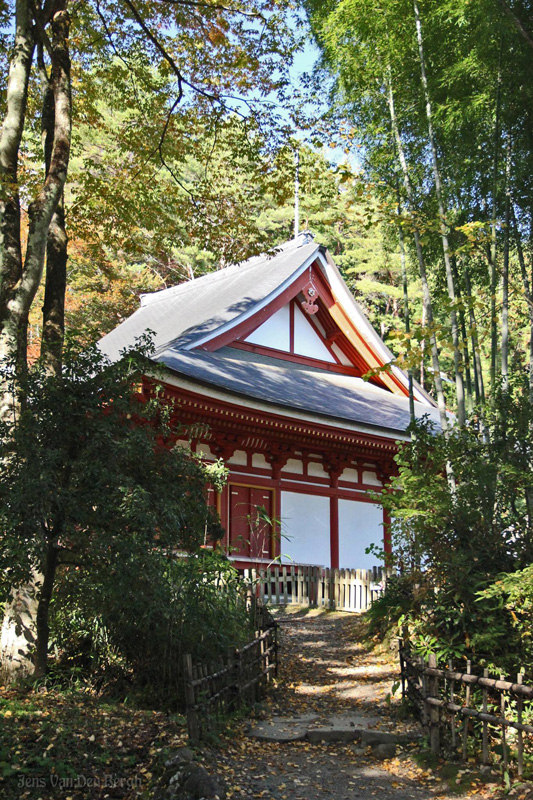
461 514
129 632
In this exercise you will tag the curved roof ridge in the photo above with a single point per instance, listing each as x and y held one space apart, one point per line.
224 272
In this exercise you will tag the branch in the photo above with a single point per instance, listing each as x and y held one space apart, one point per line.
168 58
507 10
155 41
181 80
218 7
118 54
40 26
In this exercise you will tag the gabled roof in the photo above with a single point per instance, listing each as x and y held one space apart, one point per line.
309 389
193 324
185 316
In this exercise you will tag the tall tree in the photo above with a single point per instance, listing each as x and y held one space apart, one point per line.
218 60
170 60
460 81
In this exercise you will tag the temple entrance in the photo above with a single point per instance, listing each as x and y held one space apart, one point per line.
250 515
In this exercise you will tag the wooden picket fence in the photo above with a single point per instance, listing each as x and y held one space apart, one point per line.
470 713
341 589
212 691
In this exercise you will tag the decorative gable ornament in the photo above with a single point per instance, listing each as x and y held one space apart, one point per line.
309 304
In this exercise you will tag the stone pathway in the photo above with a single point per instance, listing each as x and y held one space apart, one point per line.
341 681
330 729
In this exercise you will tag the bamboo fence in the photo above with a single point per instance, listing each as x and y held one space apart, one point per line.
470 712
213 691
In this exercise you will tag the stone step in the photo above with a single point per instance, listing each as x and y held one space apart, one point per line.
342 728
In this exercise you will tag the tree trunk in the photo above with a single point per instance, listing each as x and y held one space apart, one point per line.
12 328
464 340
505 277
45 595
528 294
494 212
476 357
56 250
407 316
54 294
19 280
441 402
457 355
18 634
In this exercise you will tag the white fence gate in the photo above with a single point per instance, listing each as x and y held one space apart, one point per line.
341 589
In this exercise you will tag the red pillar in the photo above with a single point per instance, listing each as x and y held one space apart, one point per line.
277 464
224 515
387 544
334 523
276 544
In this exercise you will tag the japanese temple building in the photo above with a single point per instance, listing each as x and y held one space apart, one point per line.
264 363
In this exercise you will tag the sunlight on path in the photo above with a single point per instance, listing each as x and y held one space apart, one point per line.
327 676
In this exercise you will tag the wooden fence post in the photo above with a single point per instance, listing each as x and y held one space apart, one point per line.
193 726
402 665
520 740
485 756
424 691
433 691
452 700
276 649
233 680
504 736
466 720
285 586
265 663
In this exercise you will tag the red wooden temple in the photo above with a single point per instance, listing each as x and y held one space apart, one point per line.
264 362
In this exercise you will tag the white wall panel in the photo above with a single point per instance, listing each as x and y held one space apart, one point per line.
305 529
274 332
350 474
306 341
360 525
239 457
204 450
340 355
316 470
294 465
371 479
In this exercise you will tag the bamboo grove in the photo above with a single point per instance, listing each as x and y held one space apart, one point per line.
438 98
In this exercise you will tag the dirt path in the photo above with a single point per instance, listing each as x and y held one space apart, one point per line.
325 671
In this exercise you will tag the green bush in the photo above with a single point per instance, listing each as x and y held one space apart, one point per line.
387 613
128 632
461 510
95 502
509 600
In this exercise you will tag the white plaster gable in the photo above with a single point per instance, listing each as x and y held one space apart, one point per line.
275 333
306 340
